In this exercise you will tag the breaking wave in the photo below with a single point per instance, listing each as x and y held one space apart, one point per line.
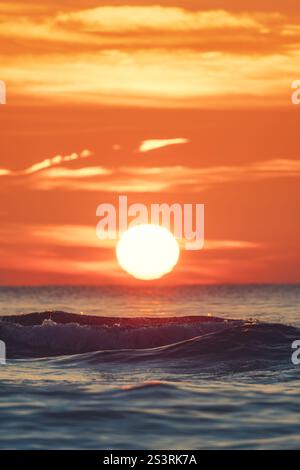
190 340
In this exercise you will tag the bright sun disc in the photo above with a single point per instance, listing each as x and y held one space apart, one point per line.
147 251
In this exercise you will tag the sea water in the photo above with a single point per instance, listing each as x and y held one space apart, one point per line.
199 367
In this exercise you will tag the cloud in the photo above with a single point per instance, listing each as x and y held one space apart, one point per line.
153 144
229 245
150 55
156 17
169 178
158 27
203 178
49 174
48 163
180 77
73 235
39 235
75 173
68 235
45 248
76 251
5 172
57 160
114 185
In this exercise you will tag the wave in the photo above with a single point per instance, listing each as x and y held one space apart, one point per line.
192 340
44 334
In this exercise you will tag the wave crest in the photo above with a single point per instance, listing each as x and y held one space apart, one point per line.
191 340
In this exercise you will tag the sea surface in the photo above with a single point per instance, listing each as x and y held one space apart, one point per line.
200 367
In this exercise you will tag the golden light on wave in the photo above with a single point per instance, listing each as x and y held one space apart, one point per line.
147 251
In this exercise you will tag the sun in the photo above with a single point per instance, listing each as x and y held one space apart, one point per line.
147 251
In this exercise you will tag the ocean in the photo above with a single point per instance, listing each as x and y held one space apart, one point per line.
185 367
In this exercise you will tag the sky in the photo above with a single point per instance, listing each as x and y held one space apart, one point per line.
166 102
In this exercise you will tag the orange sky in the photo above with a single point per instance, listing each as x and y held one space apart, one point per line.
89 83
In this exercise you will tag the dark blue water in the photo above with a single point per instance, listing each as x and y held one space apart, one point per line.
117 368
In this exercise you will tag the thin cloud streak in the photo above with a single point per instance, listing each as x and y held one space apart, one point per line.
5 172
75 173
57 160
85 236
153 179
154 144
229 245
48 163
